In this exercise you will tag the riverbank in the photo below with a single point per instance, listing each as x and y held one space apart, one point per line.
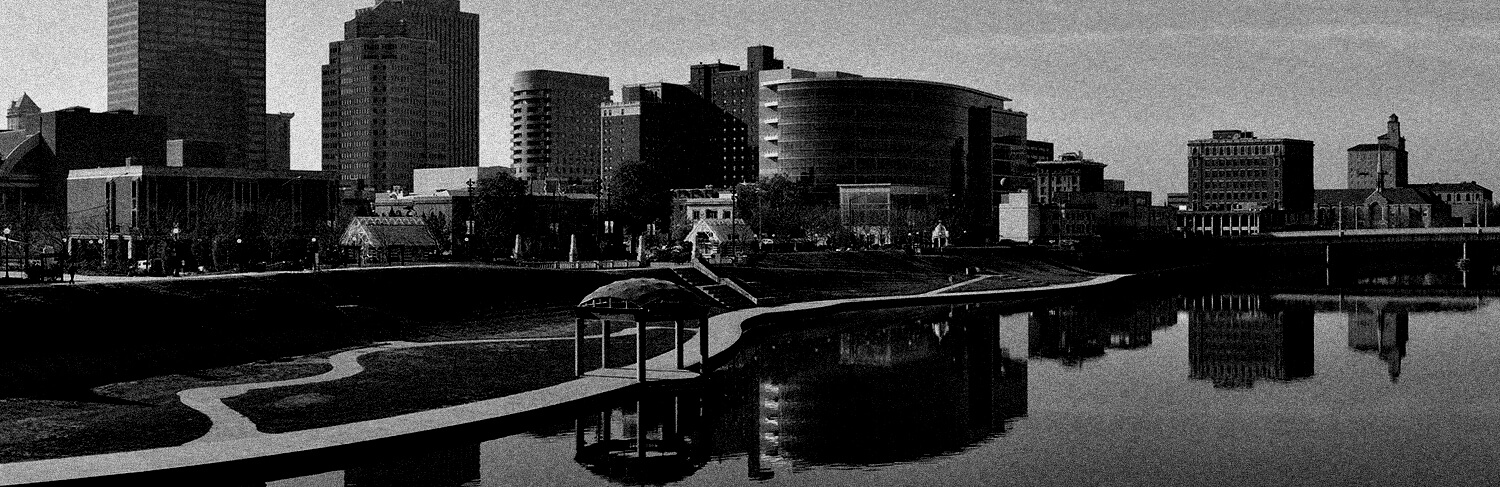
526 305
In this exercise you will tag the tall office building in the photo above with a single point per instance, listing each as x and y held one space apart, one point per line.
456 37
555 128
1382 164
1235 171
385 113
198 65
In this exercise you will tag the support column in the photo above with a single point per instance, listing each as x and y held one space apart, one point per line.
578 349
604 344
578 440
640 350
677 336
640 425
703 345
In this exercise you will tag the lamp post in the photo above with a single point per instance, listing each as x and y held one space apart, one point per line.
316 252
7 253
176 249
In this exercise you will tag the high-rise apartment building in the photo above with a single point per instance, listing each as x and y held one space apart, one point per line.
1382 164
198 65
737 93
1235 171
663 125
555 123
385 113
456 37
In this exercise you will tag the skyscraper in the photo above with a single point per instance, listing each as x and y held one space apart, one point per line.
400 93
555 126
198 65
384 113
456 34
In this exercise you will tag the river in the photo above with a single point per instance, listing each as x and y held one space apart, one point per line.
1384 381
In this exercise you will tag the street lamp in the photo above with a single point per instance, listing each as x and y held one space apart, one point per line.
7 253
316 251
176 249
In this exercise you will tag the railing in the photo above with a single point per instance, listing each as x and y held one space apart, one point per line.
708 270
588 265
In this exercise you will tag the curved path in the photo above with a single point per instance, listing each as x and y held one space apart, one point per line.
723 334
229 424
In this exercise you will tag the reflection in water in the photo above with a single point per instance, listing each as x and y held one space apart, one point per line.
1235 340
848 392
1075 334
451 467
933 383
1373 330
1381 325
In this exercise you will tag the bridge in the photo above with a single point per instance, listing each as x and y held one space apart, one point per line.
1385 236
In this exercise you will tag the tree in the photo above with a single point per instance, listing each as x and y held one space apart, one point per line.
502 210
637 195
779 207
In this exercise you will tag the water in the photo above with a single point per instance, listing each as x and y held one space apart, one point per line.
1120 387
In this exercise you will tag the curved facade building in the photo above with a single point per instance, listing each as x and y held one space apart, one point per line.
838 129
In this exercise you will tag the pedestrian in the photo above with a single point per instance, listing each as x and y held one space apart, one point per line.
72 273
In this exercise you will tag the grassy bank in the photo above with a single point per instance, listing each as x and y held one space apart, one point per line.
70 339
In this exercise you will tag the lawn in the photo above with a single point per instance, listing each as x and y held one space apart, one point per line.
421 379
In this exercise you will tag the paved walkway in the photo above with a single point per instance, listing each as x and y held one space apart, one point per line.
229 424
724 331
959 285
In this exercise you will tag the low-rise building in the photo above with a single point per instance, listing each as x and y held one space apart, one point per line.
1079 216
127 213
1470 203
889 214
1364 208
1070 173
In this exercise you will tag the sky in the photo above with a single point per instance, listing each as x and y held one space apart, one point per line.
1127 83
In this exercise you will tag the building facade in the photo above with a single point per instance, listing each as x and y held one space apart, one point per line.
736 92
555 123
1354 209
455 47
279 141
1071 173
385 112
832 129
665 126
198 65
1470 203
1382 164
117 212
1235 171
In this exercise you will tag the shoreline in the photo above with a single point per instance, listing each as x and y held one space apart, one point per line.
245 455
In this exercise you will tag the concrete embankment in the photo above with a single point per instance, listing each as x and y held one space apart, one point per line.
69 338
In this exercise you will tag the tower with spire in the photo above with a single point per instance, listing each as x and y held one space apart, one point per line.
23 115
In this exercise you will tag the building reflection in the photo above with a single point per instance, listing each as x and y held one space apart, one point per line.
933 383
1076 334
1373 329
1235 340
1380 325
449 467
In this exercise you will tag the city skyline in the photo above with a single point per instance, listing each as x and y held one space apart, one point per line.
1126 84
